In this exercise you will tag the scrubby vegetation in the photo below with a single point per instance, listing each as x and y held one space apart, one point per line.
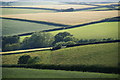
27 59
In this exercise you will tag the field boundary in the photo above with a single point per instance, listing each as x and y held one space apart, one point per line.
32 8
74 26
84 68
33 21
60 10
50 48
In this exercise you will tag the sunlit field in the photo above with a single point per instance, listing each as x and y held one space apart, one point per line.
68 18
94 31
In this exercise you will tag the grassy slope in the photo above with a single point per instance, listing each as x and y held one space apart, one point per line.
98 54
100 30
6 11
15 27
34 73
96 31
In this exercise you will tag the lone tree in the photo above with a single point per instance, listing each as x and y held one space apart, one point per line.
38 40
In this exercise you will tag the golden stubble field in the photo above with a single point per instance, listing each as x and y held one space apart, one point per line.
69 18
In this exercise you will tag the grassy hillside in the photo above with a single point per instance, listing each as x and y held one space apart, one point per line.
98 54
68 18
99 30
34 73
96 31
6 11
16 27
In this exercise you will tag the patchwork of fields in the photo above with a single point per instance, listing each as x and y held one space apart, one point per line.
105 55
98 54
68 18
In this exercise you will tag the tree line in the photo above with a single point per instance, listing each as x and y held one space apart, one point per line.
44 39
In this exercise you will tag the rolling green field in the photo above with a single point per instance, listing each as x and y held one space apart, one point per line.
36 73
11 27
94 31
7 11
97 54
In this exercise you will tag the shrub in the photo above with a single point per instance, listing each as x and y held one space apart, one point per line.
11 47
59 45
24 59
33 60
60 36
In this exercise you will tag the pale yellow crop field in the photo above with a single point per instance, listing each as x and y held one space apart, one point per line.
69 18
58 6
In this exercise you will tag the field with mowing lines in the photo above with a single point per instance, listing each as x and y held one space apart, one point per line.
8 11
36 73
11 27
98 54
68 18
94 31
65 6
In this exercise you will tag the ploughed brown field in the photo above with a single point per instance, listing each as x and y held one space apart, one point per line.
70 18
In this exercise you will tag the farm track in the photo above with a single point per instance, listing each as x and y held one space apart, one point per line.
24 51
50 48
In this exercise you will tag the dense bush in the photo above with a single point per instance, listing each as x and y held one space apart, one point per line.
10 39
33 60
27 59
70 38
60 36
11 47
24 59
10 43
